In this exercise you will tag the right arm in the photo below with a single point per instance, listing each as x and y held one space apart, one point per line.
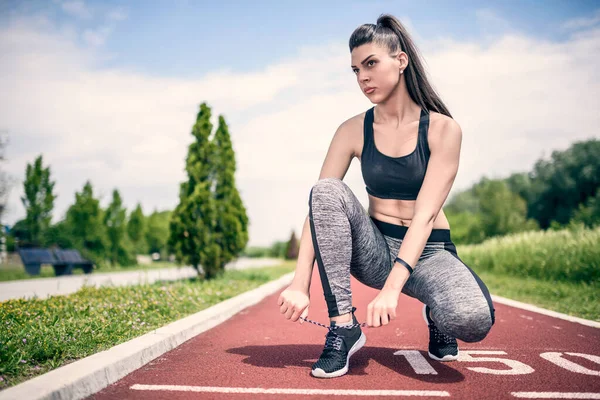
337 161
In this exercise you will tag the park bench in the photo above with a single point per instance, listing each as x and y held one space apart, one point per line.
72 259
62 261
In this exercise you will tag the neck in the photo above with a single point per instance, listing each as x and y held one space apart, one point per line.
398 109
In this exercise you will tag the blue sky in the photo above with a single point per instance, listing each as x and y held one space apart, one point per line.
177 38
107 91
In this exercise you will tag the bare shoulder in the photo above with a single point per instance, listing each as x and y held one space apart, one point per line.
352 129
442 130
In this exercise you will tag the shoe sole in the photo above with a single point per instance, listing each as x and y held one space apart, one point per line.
319 373
447 357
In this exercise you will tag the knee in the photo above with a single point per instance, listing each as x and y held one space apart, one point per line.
469 326
327 188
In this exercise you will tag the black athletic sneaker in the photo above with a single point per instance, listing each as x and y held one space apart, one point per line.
441 346
340 345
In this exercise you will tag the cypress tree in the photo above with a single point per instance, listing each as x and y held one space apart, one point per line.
38 202
136 230
293 247
116 229
191 228
85 227
231 230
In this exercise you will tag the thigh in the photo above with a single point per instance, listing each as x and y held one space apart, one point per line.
371 263
448 286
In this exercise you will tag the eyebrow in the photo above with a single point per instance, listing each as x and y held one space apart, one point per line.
363 61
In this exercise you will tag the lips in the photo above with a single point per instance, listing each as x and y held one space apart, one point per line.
369 90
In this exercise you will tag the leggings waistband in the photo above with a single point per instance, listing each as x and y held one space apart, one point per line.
398 231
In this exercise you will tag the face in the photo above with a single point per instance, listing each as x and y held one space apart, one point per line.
375 68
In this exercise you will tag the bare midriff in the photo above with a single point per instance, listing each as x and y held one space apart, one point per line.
400 212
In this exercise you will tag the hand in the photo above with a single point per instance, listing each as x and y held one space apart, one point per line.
383 308
294 303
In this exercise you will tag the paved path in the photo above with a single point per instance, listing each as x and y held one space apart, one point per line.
258 354
44 287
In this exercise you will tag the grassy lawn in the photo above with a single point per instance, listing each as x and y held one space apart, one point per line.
11 272
576 299
37 336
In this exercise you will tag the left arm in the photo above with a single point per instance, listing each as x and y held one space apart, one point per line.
444 145
441 170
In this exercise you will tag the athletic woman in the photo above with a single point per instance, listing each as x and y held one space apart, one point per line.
409 147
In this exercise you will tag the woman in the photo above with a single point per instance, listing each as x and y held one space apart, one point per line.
409 147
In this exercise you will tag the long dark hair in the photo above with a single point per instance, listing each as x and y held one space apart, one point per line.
391 34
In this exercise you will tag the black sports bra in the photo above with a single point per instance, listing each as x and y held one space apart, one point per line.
394 177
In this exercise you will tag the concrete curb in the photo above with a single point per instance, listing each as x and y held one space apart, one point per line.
92 374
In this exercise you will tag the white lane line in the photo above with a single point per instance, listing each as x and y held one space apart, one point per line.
556 395
338 392
539 310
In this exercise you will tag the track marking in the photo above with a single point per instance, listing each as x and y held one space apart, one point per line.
337 392
556 358
556 395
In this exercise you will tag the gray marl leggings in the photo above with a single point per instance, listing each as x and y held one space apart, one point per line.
347 240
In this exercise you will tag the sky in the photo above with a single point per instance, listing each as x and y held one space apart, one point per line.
108 91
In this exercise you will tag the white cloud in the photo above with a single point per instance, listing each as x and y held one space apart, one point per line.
515 97
583 22
118 14
77 9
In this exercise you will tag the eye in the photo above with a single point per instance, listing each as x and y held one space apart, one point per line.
370 61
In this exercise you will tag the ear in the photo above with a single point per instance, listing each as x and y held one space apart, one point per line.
403 58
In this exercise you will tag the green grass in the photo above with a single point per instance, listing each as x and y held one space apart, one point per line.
564 256
12 272
577 299
558 270
40 335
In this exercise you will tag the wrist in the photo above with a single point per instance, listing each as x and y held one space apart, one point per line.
399 261
397 278
302 286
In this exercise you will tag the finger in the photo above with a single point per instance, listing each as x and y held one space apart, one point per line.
384 318
377 318
370 315
280 300
283 308
392 314
296 314
304 315
290 311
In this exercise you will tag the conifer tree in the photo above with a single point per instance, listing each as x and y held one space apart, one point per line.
231 228
136 230
120 251
85 226
293 248
38 201
191 228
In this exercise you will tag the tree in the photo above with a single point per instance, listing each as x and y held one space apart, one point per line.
568 179
293 247
231 228
500 210
119 251
85 226
589 213
38 201
157 232
136 230
192 223
6 181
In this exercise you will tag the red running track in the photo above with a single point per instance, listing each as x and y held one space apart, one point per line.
260 354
